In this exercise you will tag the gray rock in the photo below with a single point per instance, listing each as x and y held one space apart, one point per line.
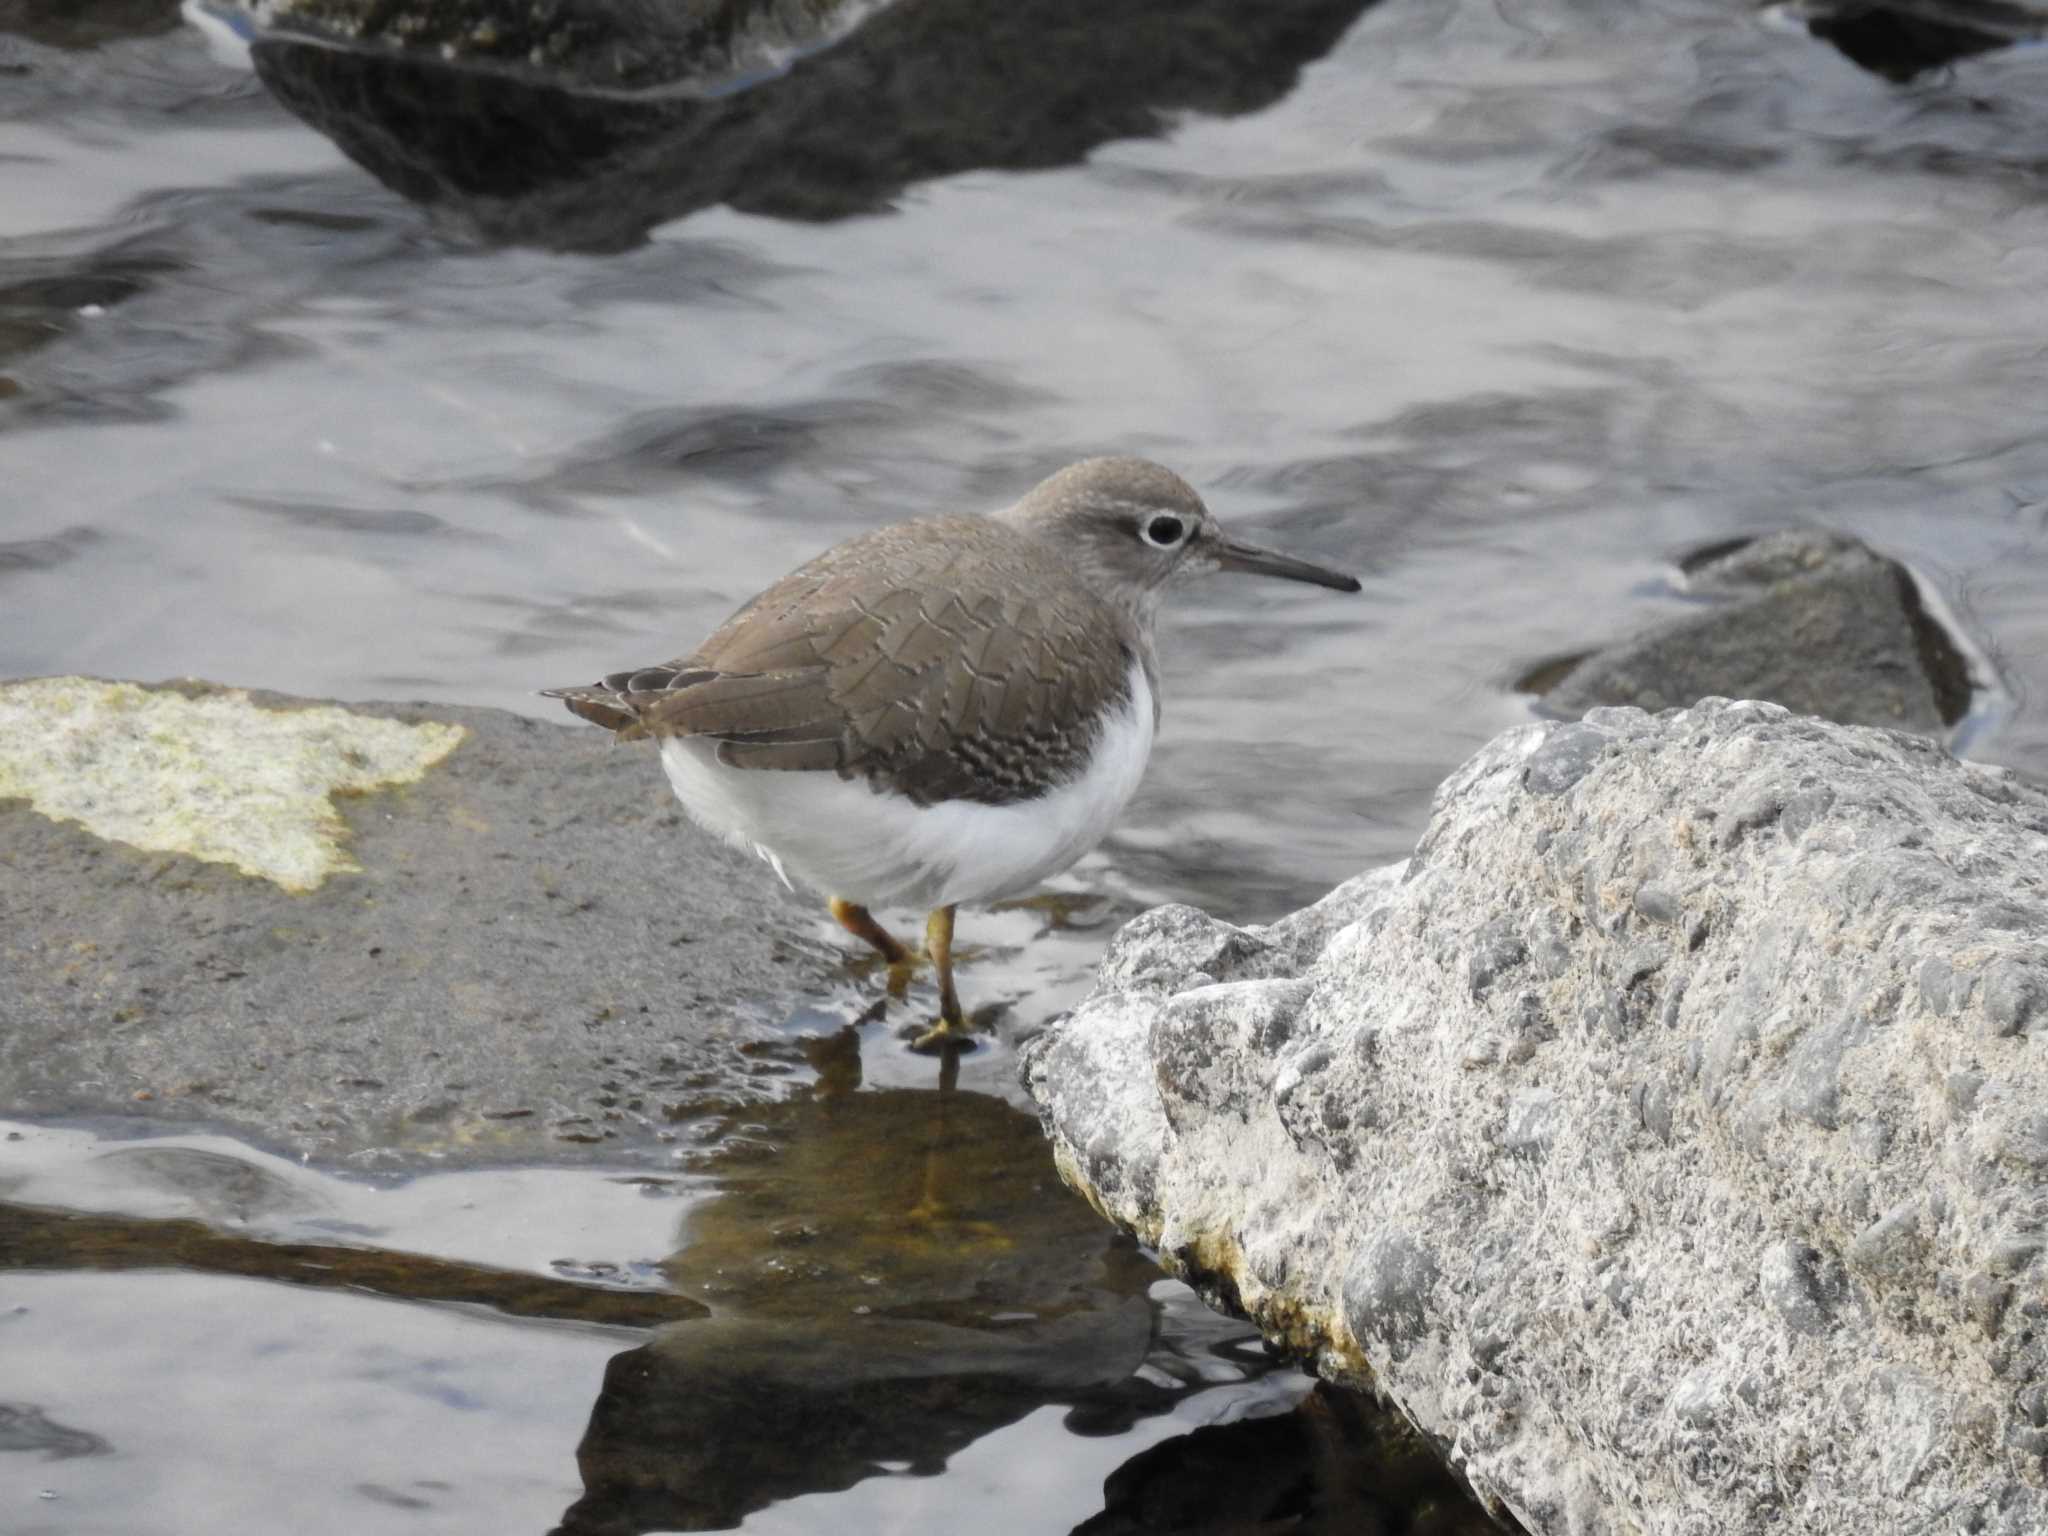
1816 621
526 947
1751 1240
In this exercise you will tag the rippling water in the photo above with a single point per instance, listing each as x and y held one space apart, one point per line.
1504 305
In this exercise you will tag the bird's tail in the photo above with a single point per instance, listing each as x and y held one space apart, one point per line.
600 706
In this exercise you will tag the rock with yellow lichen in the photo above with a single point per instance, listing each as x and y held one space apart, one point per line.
209 773
404 930
1668 1138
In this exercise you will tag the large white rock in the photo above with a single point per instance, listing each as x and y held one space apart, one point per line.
1668 1138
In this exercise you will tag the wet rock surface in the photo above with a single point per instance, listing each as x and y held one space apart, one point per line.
609 44
1665 1139
1815 621
1903 39
915 91
535 952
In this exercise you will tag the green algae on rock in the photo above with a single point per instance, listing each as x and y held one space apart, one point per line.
211 774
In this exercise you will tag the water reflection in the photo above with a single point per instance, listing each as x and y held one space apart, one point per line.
888 1285
893 1275
917 91
86 23
1335 1464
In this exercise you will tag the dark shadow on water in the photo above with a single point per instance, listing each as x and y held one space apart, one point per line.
893 1274
86 23
925 88
878 1279
35 1239
1335 1466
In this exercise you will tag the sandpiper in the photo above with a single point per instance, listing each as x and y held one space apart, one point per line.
940 711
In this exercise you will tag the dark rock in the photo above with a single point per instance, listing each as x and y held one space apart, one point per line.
1815 621
534 949
916 90
1900 39
609 45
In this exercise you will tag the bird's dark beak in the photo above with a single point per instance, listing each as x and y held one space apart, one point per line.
1234 555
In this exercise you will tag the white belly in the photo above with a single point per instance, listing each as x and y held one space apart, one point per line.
844 839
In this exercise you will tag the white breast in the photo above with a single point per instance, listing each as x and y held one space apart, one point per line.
846 840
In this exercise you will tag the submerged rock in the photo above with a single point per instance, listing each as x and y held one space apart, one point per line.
1666 1139
417 929
86 23
1815 621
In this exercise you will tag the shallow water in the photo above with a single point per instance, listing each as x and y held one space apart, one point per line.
1505 305
198 1335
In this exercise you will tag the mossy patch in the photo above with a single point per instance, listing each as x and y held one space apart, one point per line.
211 774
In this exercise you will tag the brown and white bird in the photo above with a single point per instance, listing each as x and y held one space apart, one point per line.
940 711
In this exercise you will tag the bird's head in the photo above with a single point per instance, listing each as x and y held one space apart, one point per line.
1130 524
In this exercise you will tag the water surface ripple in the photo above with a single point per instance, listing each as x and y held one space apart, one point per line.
1506 305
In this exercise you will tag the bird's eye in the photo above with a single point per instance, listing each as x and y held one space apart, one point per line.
1165 531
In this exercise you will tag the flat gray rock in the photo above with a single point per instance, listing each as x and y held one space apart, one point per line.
1809 619
1668 1138
410 930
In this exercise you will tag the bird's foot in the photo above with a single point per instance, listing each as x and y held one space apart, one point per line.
944 1037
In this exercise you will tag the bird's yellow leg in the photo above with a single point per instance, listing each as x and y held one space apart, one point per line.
938 948
860 922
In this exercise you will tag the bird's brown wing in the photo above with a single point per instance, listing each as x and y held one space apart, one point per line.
966 666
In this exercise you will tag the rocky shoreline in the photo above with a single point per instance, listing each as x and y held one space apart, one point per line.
1665 1138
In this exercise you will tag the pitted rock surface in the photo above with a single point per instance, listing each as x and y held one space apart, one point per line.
1668 1138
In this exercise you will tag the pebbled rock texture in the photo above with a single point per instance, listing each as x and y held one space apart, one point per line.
1668 1138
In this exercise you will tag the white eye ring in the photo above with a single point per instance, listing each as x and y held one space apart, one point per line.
1163 530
